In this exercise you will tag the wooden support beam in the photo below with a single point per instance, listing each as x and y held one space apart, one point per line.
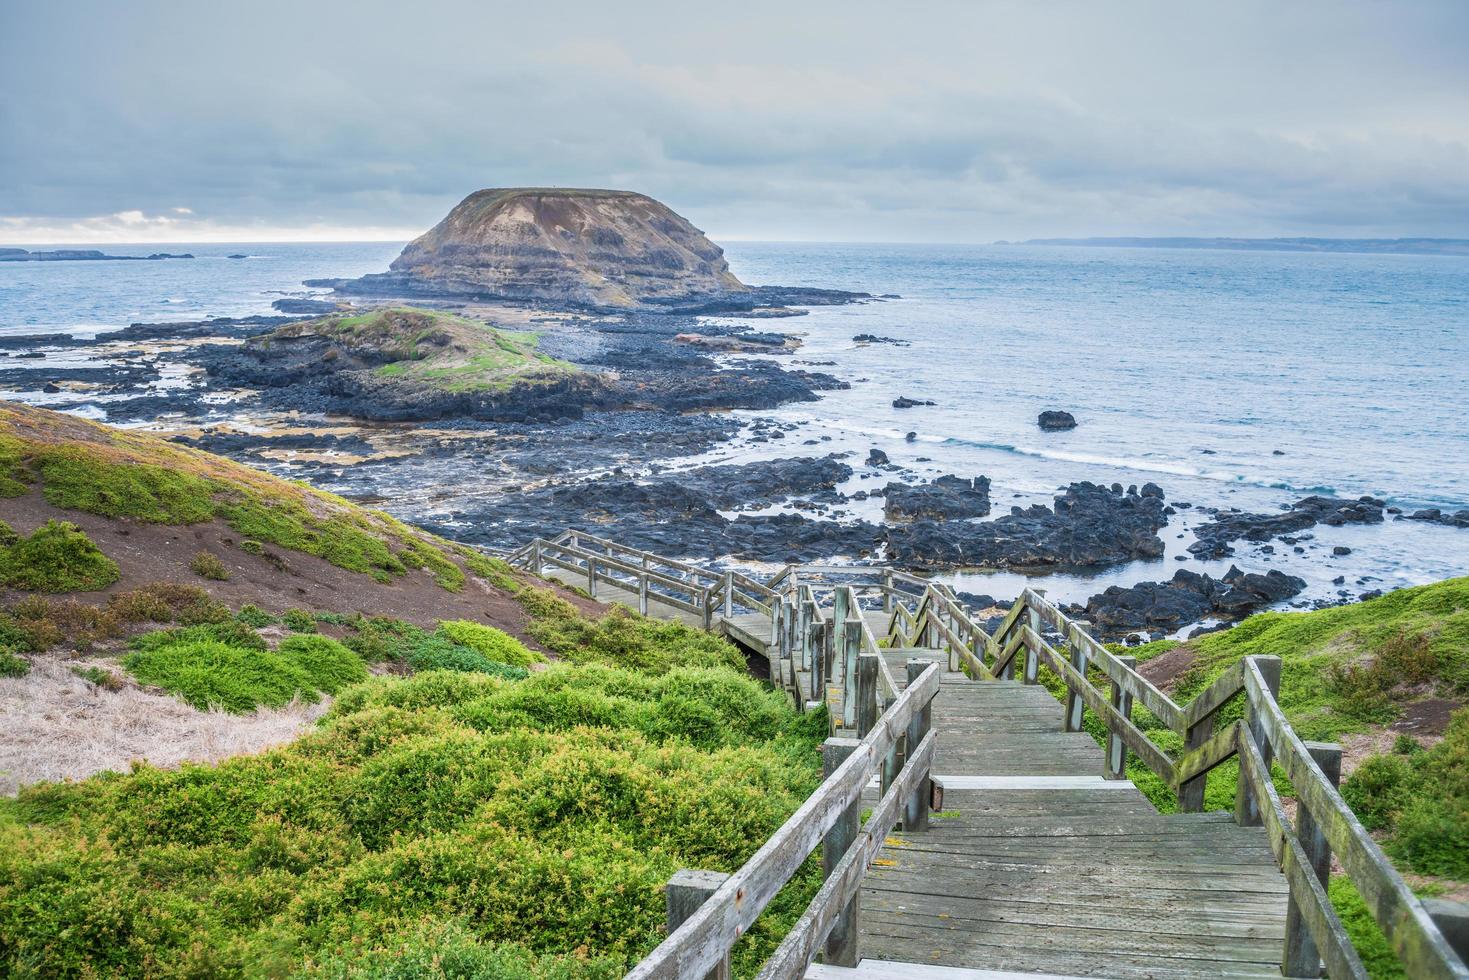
1075 705
1116 746
1301 957
686 891
1246 806
915 813
841 942
867 665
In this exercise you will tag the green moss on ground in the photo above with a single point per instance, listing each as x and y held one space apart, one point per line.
445 824
120 474
56 557
495 644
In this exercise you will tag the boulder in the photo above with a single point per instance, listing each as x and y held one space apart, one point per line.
949 498
1056 421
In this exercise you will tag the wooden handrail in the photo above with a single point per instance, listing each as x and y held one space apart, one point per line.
697 946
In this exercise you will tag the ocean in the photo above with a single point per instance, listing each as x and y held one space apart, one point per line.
1231 379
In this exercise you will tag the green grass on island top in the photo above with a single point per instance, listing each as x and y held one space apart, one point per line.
443 350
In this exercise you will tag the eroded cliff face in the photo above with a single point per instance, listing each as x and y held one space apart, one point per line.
597 248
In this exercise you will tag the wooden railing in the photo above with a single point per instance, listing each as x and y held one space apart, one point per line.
1108 685
703 930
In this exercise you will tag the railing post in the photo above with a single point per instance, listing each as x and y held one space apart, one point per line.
1191 792
1301 957
915 810
591 576
643 587
687 890
704 596
803 631
841 942
850 639
539 560
839 610
1246 807
818 661
728 594
1116 747
1075 706
867 665
1032 655
887 591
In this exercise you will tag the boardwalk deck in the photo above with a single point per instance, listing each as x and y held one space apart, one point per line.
1039 865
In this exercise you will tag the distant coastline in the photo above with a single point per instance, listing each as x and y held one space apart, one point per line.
1373 246
83 255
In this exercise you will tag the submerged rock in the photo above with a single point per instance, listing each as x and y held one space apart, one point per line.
1056 421
1215 538
905 402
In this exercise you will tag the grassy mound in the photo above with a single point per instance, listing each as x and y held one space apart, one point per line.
57 557
432 348
445 824
494 644
121 474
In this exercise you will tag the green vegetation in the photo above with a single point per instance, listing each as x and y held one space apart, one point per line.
1420 800
446 824
57 557
210 674
298 621
431 347
329 665
209 566
495 644
100 676
12 665
82 466
622 637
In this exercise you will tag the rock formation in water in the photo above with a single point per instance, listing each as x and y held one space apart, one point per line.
562 247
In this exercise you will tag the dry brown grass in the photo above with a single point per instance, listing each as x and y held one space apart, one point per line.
59 726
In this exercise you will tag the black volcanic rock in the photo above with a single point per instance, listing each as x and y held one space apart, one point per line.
1186 598
1055 421
949 498
1089 525
1434 515
1215 538
905 402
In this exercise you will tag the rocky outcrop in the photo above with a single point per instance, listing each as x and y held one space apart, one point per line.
949 498
1434 515
1215 538
1088 525
1186 598
1054 421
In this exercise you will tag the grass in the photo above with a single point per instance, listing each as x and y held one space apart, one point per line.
57 557
126 475
440 825
434 348
210 674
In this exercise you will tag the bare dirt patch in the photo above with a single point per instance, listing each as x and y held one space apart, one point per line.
1165 669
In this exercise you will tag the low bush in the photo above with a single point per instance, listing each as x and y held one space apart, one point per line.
329 664
252 615
495 644
405 838
622 638
209 674
56 557
207 565
299 621
12 665
231 632
437 653
100 676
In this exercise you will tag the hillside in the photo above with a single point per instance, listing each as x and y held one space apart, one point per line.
418 762
603 249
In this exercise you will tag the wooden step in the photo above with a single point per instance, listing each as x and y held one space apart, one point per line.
892 970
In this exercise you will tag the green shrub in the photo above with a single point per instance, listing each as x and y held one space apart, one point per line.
623 638
207 673
1376 792
8 536
103 678
451 951
13 666
495 644
299 621
251 547
329 664
437 653
57 557
231 632
209 566
252 615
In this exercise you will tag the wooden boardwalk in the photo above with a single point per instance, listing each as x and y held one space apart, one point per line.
1023 852
1037 864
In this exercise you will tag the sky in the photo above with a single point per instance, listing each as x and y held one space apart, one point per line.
852 121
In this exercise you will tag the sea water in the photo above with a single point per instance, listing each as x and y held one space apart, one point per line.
1231 379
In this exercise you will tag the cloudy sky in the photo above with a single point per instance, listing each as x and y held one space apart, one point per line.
967 121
